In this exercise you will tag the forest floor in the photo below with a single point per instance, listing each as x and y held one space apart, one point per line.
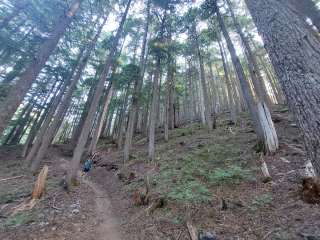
212 180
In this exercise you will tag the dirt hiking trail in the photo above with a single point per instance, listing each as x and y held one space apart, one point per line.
107 228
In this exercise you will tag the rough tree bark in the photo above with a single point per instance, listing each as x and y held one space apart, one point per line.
294 52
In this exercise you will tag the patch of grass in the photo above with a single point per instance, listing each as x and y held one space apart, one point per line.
190 179
188 176
283 235
52 184
187 131
19 219
231 175
261 201
171 216
177 220
134 185
218 153
7 198
180 182
14 195
184 131
190 191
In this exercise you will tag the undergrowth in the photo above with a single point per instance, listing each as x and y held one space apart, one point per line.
19 219
203 162
261 201
9 197
189 178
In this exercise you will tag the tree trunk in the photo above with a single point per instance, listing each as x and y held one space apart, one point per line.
168 107
137 89
36 125
18 92
294 52
20 130
40 117
79 149
153 111
46 124
77 130
191 92
231 99
101 119
65 102
257 79
8 137
42 131
122 116
269 132
244 84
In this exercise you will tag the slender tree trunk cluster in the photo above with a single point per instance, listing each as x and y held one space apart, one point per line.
79 91
18 91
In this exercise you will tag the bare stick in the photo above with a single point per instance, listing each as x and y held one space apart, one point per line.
192 231
11 178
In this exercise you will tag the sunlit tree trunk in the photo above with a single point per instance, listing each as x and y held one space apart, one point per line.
265 120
